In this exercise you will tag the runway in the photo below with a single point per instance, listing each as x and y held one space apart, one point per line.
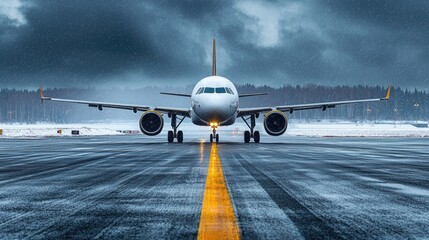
286 187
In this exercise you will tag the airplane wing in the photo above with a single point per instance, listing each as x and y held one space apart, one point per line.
176 94
252 94
323 105
100 105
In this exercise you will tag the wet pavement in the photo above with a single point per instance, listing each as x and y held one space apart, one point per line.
282 188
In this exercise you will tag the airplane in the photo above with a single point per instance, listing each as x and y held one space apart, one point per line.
214 103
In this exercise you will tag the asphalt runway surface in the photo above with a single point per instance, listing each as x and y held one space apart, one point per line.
131 187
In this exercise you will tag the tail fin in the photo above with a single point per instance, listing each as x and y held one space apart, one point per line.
214 58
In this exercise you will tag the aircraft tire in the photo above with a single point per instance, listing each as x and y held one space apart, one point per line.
256 136
217 138
180 136
170 136
246 136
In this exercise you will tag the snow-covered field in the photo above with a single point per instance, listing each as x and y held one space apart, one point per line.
356 130
321 129
48 130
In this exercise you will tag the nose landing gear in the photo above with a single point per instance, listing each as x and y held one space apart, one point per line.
251 134
214 136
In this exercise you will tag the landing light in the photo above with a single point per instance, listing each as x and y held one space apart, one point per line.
214 124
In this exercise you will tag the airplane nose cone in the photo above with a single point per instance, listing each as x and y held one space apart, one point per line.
214 111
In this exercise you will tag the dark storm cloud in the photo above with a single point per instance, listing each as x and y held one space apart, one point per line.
395 14
87 41
63 43
386 39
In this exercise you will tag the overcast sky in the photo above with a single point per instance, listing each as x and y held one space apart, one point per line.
138 43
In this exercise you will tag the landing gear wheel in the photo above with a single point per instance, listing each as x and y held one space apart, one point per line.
217 138
175 134
246 136
180 136
170 136
256 136
211 138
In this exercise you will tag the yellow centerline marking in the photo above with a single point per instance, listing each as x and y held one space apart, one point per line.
217 216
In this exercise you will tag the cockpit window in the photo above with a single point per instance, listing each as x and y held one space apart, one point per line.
220 90
200 90
209 90
215 90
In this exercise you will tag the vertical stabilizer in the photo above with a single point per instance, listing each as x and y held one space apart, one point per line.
214 58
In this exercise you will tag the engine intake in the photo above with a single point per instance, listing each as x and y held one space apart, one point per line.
275 123
151 123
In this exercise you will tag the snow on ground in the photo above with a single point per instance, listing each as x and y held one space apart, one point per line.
48 130
355 130
319 129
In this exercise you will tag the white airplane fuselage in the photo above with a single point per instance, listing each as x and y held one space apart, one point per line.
214 100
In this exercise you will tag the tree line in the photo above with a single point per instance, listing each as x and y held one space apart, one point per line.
24 106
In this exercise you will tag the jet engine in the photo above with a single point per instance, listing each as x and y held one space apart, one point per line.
275 123
151 123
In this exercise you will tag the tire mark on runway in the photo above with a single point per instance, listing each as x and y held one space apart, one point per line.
358 227
25 175
113 175
309 224
311 163
356 164
368 170
69 228
86 227
58 169
379 174
79 224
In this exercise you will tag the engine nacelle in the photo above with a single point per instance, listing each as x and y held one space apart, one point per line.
275 123
151 123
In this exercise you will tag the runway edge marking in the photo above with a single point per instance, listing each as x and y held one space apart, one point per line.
217 215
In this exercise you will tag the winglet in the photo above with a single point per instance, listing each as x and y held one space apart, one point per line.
214 58
41 94
388 93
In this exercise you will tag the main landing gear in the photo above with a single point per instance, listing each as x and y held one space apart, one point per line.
172 134
251 134
214 136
